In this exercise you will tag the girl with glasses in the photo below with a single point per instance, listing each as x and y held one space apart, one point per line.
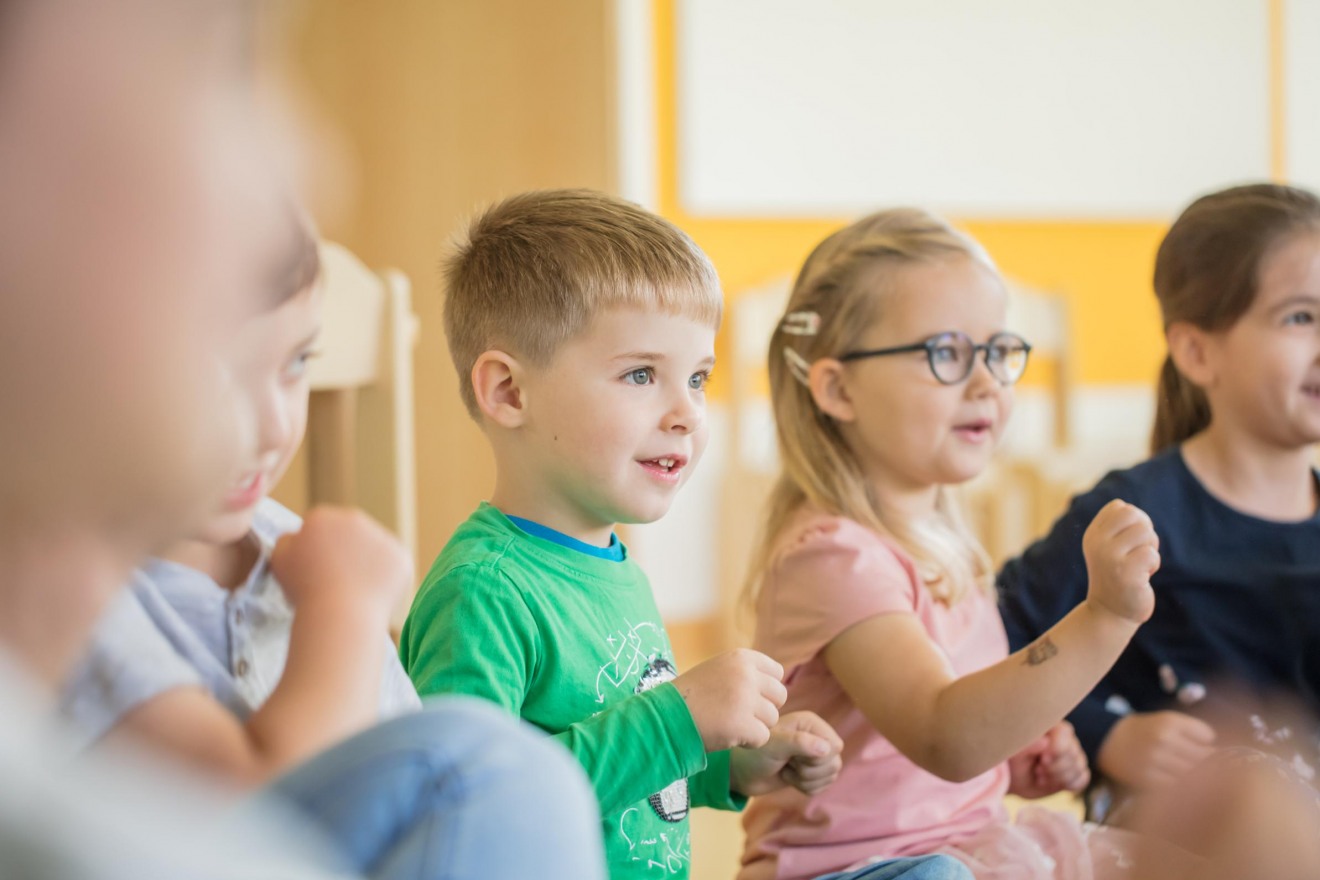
891 380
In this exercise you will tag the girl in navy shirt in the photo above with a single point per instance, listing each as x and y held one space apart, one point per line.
1233 495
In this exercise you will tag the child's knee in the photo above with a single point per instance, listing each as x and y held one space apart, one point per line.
490 741
938 868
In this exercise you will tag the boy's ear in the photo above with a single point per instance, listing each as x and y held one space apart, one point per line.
1193 352
829 388
497 384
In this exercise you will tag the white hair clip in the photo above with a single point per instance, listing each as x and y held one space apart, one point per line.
798 366
800 324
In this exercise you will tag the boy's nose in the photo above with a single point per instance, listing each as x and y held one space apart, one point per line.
276 426
685 416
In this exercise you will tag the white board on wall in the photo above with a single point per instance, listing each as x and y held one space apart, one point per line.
1302 91
1051 108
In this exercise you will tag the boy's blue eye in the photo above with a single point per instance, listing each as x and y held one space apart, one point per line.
297 368
697 381
1300 319
639 376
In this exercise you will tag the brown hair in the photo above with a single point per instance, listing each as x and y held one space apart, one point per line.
535 269
300 262
1207 272
841 289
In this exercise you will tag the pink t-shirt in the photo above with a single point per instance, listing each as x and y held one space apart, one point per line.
826 574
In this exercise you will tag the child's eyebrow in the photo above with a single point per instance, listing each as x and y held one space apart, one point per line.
309 338
652 356
639 356
1300 299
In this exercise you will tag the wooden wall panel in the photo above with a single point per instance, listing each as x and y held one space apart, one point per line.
420 111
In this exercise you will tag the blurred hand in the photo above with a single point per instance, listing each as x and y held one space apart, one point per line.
342 555
1051 764
1122 552
1152 749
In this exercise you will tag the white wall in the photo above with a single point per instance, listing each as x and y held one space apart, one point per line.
680 553
1009 108
1302 90
635 89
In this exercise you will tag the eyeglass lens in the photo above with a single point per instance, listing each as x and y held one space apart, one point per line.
953 355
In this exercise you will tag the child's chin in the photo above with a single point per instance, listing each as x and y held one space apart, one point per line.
639 517
228 528
962 473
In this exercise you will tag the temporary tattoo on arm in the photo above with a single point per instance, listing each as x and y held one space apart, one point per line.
1040 650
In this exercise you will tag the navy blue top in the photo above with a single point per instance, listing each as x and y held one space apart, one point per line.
615 552
1237 601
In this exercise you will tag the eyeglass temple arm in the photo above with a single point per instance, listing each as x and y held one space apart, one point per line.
877 352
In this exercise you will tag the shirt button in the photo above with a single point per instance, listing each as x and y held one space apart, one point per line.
242 668
238 616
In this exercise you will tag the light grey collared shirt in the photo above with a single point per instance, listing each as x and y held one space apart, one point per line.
175 627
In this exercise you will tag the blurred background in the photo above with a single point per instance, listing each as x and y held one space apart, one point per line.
1065 135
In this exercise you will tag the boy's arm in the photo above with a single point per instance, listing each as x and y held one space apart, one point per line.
329 690
713 787
470 632
192 726
342 573
638 747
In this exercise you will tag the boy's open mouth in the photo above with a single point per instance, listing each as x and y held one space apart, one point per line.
665 466
248 491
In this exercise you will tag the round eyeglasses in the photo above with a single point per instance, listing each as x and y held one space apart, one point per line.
952 356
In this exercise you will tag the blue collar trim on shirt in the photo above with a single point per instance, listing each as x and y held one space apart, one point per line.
613 553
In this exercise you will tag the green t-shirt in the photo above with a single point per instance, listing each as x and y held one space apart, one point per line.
573 644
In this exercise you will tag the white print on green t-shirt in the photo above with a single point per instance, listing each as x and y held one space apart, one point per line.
639 659
667 853
630 651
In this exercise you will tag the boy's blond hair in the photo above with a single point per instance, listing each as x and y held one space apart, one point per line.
535 269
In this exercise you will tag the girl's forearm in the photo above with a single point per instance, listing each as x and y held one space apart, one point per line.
982 719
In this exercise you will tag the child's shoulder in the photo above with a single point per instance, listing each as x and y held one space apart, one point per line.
812 531
826 573
1157 483
487 552
480 543
1151 476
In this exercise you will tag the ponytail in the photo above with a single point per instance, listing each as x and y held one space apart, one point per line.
1181 409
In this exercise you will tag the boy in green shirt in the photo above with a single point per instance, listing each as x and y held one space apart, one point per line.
583 330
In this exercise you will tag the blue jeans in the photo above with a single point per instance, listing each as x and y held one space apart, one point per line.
458 790
919 868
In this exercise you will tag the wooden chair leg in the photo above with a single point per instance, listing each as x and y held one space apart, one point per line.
332 457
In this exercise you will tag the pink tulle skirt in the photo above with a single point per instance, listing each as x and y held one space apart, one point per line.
1043 844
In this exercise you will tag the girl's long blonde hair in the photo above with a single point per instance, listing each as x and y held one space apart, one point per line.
839 295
